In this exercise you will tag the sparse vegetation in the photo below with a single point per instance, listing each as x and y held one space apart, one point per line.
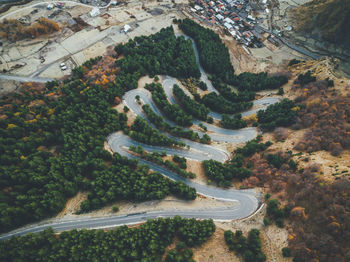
294 62
156 157
275 213
325 118
249 249
329 18
304 79
14 30
253 147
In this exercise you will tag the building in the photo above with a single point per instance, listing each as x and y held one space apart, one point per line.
219 17
229 21
126 28
94 12
228 26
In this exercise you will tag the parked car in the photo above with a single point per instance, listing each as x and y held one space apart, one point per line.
63 66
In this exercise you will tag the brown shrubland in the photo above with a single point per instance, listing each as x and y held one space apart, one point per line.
14 30
280 133
327 117
320 211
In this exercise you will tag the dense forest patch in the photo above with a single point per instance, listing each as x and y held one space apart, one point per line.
220 104
215 59
192 107
161 124
146 243
282 114
235 122
172 111
213 54
52 137
142 132
171 55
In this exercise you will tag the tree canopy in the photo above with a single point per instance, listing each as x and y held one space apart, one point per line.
52 137
172 111
146 243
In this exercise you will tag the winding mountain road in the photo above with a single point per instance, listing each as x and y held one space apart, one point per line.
246 201
216 133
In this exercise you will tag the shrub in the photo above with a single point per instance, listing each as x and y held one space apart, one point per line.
286 252
115 209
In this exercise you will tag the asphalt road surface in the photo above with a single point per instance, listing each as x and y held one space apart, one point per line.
219 214
25 78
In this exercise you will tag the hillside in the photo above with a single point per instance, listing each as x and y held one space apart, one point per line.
330 19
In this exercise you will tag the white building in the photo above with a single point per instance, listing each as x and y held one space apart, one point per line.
219 17
126 28
94 12
233 33
228 26
251 17
197 7
229 20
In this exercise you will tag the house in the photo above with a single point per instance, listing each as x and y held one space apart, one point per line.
126 28
197 7
233 33
228 20
227 25
219 17
251 18
94 12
